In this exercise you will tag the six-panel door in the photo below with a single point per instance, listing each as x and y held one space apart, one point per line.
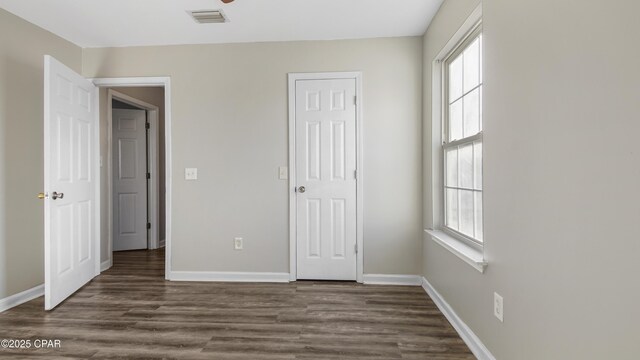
129 179
71 182
325 166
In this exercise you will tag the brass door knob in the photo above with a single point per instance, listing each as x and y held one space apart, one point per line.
41 196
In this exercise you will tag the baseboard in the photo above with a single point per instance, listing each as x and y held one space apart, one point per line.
106 265
473 342
385 279
162 243
21 298
229 276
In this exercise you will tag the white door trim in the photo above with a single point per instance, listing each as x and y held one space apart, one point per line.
149 82
293 77
153 191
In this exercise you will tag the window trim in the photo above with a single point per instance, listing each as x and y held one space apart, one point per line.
466 248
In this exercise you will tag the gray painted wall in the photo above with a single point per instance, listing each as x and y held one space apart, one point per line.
561 172
22 50
230 121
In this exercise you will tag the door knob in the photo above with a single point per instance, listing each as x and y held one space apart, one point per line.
57 195
41 196
302 189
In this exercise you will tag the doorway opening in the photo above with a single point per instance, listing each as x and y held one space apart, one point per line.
164 169
135 176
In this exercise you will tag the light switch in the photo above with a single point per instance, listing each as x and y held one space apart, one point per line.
191 174
283 173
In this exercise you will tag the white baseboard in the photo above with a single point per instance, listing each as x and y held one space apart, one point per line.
228 276
384 279
162 243
21 298
106 265
473 342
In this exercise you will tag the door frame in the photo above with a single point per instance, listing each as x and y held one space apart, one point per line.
293 240
145 82
153 192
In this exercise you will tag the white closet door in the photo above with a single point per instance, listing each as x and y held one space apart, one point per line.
326 184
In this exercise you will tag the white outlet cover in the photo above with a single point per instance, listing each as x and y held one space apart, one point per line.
237 243
498 307
191 174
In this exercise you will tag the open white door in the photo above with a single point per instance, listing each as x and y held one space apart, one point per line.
129 179
71 181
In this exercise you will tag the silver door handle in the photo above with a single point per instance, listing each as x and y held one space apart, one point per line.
57 195
302 189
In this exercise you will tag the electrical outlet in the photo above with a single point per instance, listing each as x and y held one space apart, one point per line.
237 243
191 174
498 309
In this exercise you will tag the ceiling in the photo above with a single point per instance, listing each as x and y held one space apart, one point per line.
119 23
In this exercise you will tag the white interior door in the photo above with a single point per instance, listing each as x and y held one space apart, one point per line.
71 180
129 179
326 180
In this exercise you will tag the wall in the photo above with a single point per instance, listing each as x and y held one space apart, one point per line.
150 95
560 175
21 148
230 121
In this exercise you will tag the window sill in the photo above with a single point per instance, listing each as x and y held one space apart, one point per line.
471 256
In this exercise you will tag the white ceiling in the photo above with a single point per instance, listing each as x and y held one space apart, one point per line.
106 23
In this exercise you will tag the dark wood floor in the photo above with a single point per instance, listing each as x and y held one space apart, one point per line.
130 311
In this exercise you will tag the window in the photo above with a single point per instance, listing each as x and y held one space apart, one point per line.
462 140
456 144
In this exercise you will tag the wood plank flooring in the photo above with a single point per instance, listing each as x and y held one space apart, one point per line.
130 311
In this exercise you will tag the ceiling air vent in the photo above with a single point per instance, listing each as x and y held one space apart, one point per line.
208 16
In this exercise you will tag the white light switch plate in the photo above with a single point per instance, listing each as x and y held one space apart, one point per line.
191 174
283 173
498 306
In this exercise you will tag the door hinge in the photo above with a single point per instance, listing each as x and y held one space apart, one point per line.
147 126
355 174
355 100
356 248
148 176
148 226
